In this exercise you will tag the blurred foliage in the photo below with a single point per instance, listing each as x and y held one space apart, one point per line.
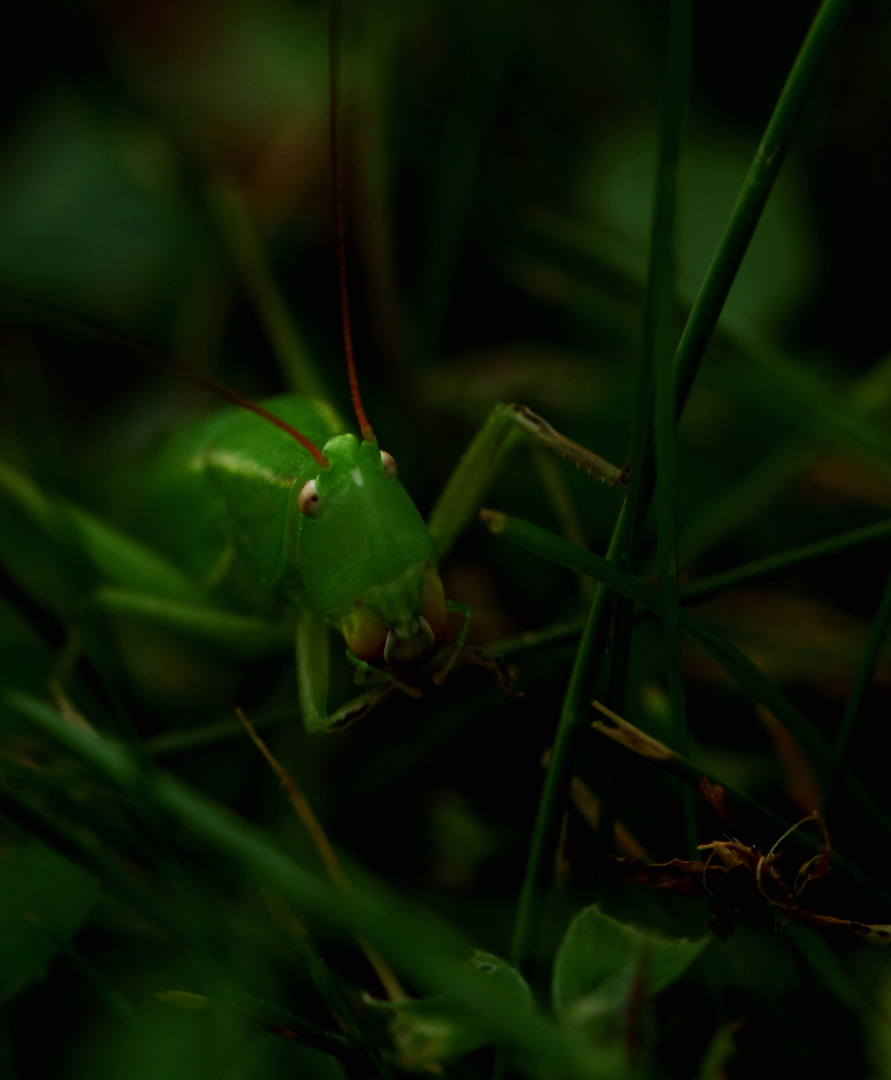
498 164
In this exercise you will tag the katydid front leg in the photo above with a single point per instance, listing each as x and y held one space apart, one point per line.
463 494
313 654
313 649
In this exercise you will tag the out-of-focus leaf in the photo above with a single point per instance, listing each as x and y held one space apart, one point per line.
77 227
427 1031
43 898
777 270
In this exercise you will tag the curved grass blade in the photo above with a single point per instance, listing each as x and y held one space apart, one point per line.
773 564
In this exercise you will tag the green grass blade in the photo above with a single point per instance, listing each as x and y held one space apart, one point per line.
756 187
746 674
659 335
862 682
111 552
773 564
246 635
571 725
81 847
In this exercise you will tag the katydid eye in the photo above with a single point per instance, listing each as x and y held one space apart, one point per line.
310 501
389 463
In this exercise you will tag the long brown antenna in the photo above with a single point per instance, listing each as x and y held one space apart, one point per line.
232 395
337 194
77 323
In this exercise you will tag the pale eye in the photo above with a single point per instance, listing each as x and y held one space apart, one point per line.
389 463
310 501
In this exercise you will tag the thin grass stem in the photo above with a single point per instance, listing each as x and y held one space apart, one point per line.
249 260
862 682
774 564
558 777
756 187
660 315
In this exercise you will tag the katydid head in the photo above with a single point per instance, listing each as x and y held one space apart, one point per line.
374 572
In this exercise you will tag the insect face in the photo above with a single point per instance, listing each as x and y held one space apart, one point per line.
374 570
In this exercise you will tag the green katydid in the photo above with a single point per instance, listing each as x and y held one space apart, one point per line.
317 517
335 533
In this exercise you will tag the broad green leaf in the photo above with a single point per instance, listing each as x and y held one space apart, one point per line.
600 955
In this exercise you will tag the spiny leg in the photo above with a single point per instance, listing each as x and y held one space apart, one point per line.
464 492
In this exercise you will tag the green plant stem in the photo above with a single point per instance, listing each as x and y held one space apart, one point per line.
773 564
715 585
756 187
750 203
655 373
558 776
862 682
659 333
688 356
